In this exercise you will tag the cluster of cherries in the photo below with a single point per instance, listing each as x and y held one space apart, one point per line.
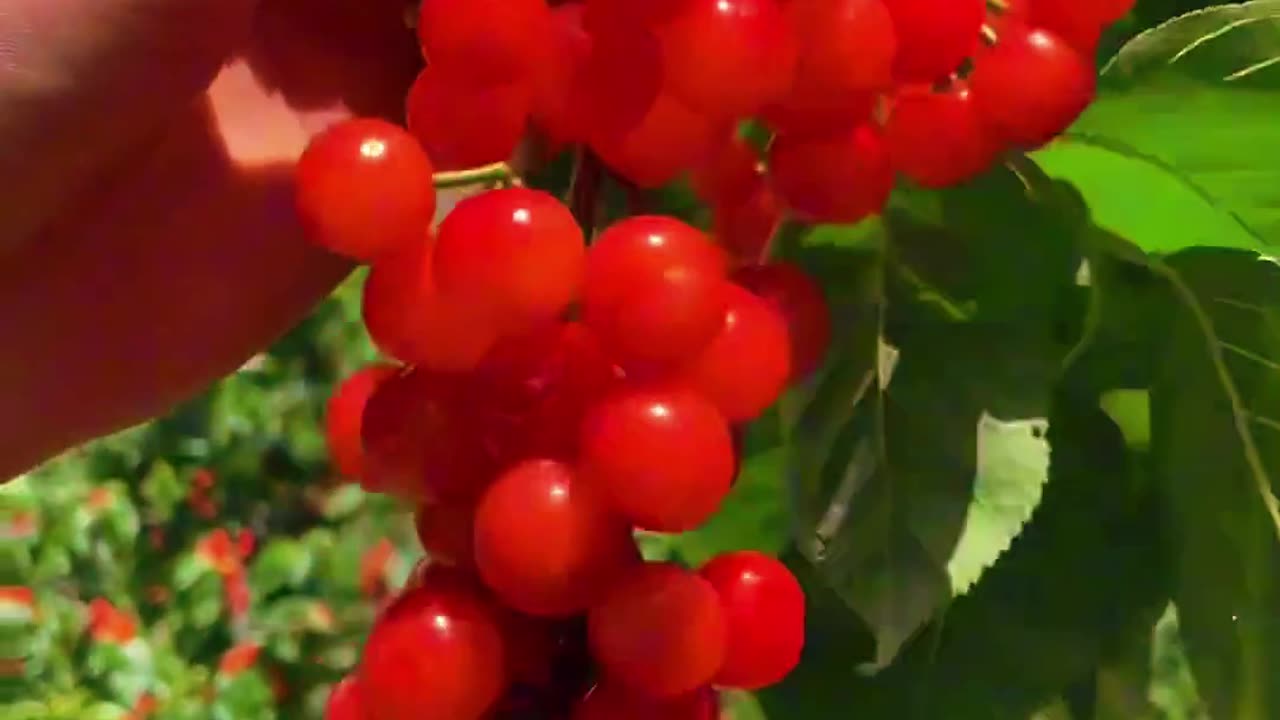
556 390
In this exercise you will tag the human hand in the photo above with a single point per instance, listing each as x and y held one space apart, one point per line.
148 243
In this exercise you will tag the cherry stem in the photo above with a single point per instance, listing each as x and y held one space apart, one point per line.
493 174
989 36
999 6
584 189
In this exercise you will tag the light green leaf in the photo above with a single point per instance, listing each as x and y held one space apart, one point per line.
753 517
1184 129
1215 439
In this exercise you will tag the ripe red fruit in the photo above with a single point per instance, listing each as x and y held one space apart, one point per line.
619 82
489 129
345 701
746 367
1079 23
446 530
660 631
653 289
746 225
937 138
730 57
1031 86
663 458
365 187
651 13
533 390
729 172
420 443
546 543
669 139
344 413
411 320
568 49
613 701
484 40
803 306
764 618
847 49
517 253
436 652
839 178
934 36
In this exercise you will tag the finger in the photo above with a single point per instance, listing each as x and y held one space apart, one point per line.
81 79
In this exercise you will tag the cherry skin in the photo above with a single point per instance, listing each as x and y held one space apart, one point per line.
803 305
487 132
420 441
568 49
618 83
533 391
343 416
660 631
746 367
733 56
662 458
840 178
545 541
1031 86
937 138
1080 24
639 249
728 173
764 618
516 253
446 530
745 226
365 187
934 36
668 140
346 701
847 49
485 40
614 701
411 320
435 652
652 13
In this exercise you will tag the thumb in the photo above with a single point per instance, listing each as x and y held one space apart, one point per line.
82 80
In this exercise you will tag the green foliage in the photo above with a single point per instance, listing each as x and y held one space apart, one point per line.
1037 478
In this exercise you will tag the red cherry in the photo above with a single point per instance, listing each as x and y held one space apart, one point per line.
619 82
517 253
937 138
746 367
729 172
838 178
668 140
934 36
666 320
436 652
538 649
446 529
410 320
661 631
731 57
365 187
535 389
613 701
345 701
344 413
487 132
569 48
745 226
1031 86
485 40
1080 23
764 617
640 250
847 49
803 305
651 13
663 458
419 441
546 543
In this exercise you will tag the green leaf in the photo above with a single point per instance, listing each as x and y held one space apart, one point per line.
282 563
162 490
1216 441
914 459
1182 131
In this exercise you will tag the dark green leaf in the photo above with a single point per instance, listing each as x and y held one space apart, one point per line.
1216 440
